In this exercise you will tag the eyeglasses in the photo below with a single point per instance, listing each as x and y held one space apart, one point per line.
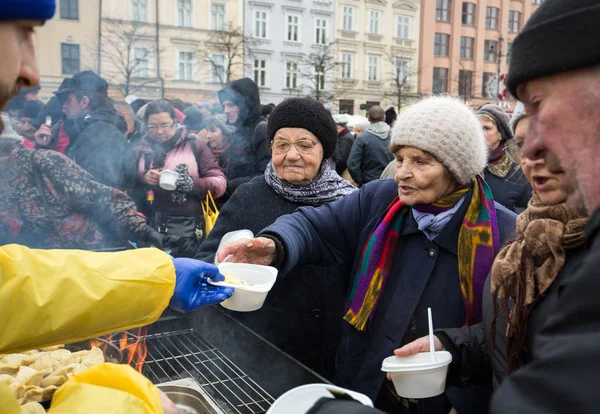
514 150
164 127
304 146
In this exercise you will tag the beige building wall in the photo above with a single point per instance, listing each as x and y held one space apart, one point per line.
454 27
384 47
82 32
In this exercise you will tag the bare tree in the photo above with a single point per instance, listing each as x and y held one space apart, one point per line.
400 76
466 81
126 48
317 68
225 53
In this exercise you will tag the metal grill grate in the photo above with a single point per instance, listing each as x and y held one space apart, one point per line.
185 354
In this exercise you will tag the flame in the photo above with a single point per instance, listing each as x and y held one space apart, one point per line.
134 348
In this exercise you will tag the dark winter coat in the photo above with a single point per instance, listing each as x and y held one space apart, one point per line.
424 273
369 156
98 145
564 369
249 152
302 314
512 191
342 151
475 357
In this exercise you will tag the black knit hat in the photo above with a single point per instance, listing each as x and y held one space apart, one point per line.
308 114
501 117
562 35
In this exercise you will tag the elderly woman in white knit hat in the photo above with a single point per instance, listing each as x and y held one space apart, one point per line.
426 239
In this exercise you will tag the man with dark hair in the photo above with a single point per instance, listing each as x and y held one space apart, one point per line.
96 131
249 152
370 153
266 110
27 113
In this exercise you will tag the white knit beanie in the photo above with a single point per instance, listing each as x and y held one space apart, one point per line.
448 130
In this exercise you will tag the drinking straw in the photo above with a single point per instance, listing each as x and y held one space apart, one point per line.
431 346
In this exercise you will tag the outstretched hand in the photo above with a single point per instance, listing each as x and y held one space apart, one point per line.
418 346
261 251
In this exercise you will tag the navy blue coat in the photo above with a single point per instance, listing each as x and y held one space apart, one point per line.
424 273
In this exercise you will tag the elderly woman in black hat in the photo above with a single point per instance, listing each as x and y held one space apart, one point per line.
302 312
506 180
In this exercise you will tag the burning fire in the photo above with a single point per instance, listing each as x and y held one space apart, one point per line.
132 345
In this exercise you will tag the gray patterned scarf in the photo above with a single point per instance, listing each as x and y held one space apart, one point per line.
327 186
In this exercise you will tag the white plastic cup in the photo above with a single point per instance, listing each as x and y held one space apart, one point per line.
259 279
417 376
168 180
301 399
231 237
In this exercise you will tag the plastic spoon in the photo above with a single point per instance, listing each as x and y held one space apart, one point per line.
431 346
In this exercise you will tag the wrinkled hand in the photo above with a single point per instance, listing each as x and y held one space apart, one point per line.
259 251
168 406
152 177
418 346
43 135
192 290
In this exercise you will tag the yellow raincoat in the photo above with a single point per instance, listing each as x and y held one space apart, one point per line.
48 297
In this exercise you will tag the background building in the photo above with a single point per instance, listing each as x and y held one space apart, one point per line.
376 45
290 50
465 44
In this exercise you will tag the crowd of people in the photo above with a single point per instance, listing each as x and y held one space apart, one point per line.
490 219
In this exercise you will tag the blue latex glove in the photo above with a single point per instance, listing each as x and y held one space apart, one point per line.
192 290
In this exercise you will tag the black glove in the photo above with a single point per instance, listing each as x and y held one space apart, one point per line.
154 239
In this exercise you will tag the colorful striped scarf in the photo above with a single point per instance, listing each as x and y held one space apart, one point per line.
478 244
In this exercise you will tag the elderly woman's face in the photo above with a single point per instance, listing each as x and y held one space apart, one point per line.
490 130
161 127
297 155
420 177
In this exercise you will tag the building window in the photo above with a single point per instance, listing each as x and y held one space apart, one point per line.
486 86
184 13
69 9
465 83
260 24
468 14
346 65
293 28
403 27
441 44
440 81
260 72
291 75
186 66
442 10
140 10
491 18
514 21
217 12
348 18
319 77
490 50
140 63
217 61
402 71
466 47
373 68
346 106
70 58
374 21
321 31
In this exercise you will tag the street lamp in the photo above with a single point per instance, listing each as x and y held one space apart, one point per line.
499 55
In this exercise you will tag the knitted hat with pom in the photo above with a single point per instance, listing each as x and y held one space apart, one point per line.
448 130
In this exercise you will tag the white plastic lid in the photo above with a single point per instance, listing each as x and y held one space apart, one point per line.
418 362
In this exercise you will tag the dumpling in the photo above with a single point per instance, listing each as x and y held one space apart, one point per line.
95 357
234 280
32 408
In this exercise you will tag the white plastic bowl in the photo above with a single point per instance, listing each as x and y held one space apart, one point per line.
300 399
417 376
168 180
249 298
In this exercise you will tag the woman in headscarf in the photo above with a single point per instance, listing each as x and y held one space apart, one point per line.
426 239
169 146
524 284
507 182
301 314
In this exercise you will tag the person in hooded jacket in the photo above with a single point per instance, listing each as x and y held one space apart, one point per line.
370 153
96 131
345 140
248 153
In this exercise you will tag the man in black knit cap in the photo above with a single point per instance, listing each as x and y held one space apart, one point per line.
555 71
